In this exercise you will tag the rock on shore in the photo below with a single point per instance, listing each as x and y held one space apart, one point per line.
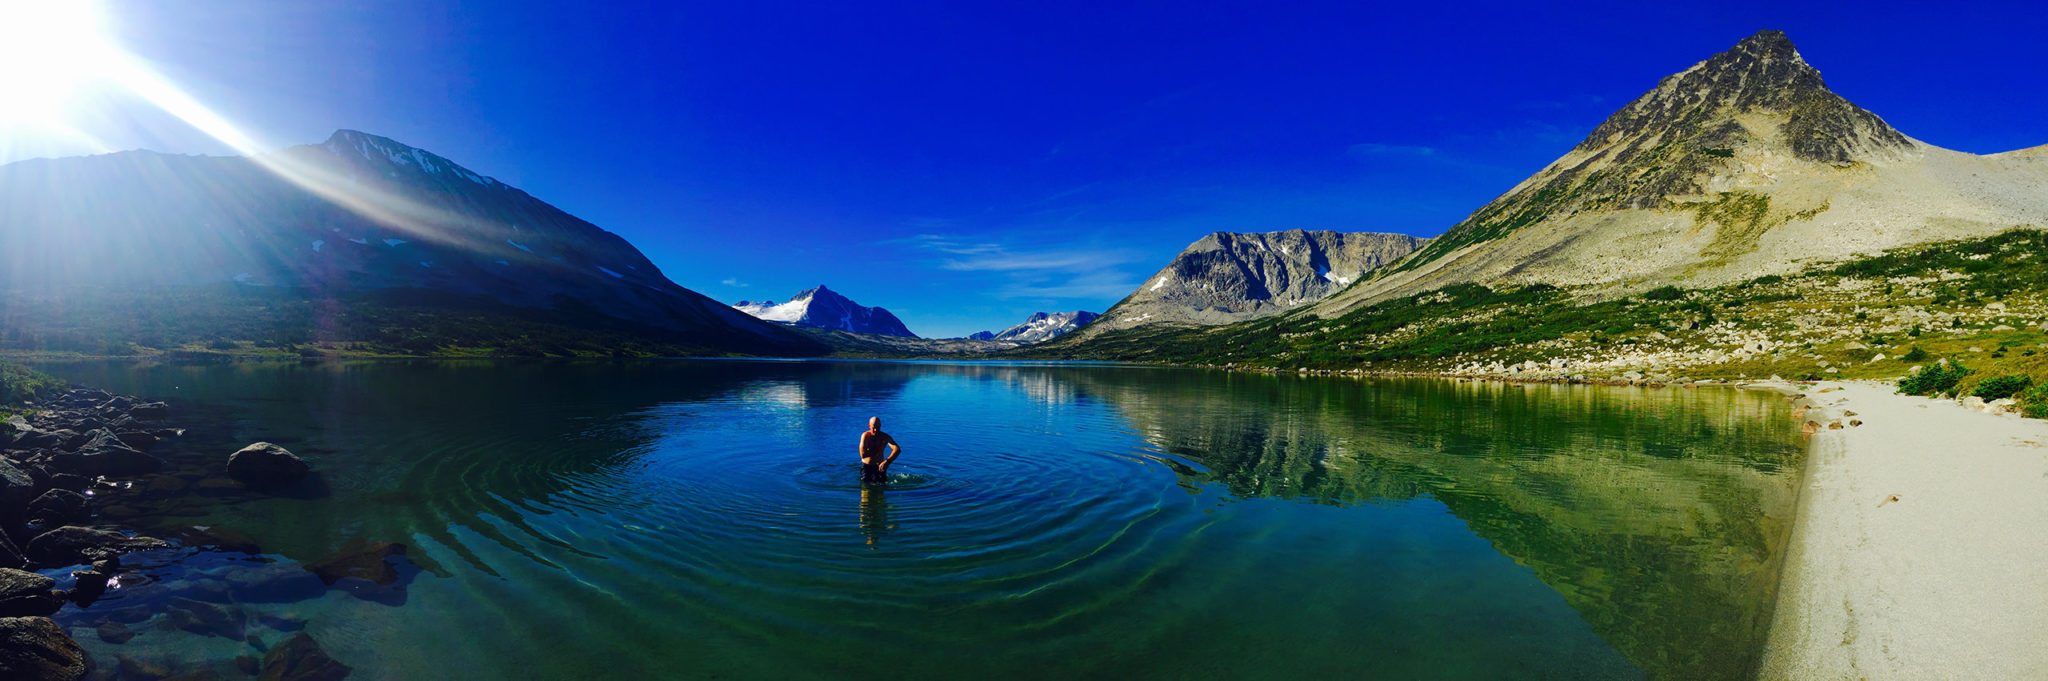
35 648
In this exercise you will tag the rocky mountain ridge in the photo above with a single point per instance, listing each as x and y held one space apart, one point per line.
1235 276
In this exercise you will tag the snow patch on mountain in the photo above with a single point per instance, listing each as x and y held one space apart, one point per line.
1045 326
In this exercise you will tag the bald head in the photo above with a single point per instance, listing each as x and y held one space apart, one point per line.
874 423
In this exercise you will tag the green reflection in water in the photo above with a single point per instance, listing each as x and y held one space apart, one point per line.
1659 513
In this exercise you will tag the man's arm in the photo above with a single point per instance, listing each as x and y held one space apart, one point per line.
862 448
894 450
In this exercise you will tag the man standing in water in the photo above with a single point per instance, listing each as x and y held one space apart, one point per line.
873 466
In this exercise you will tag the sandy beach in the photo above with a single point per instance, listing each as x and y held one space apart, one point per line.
1919 550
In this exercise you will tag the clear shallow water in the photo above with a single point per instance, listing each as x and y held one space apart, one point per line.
704 519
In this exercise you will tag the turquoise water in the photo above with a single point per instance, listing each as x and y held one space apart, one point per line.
704 519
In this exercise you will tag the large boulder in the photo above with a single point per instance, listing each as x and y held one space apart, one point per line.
266 465
75 545
35 648
59 507
17 489
138 440
301 659
27 594
10 555
42 439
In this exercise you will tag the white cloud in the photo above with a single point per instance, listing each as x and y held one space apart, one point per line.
733 282
1046 271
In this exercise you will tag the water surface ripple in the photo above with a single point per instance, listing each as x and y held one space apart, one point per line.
705 519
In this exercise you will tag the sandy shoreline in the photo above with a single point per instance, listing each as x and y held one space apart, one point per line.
1920 549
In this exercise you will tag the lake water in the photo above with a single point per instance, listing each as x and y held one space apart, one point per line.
704 519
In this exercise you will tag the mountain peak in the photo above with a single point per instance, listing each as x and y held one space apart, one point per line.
824 308
1043 326
1769 41
1699 128
393 155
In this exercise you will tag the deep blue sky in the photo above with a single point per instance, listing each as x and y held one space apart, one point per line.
964 164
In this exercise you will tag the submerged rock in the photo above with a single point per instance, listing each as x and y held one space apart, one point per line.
35 648
72 545
115 632
365 560
27 594
208 619
266 465
301 659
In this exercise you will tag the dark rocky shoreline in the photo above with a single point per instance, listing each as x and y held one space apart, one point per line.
73 469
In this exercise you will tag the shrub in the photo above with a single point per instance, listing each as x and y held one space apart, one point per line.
1934 379
1914 355
1664 293
18 383
2034 401
2001 387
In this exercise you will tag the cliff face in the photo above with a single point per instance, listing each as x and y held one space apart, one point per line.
1230 276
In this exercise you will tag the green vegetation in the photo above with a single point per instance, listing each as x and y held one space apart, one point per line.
1980 303
19 383
2034 402
1664 293
2001 387
1934 379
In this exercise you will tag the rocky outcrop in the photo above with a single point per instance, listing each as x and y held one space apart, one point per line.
266 465
1229 276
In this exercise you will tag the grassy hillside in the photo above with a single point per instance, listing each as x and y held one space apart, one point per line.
1979 303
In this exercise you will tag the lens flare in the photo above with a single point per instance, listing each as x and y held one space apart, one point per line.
57 61
51 55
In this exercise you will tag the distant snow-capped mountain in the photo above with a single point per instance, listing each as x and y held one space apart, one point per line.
824 308
1044 326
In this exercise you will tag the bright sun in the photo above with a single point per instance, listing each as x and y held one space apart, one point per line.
52 53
